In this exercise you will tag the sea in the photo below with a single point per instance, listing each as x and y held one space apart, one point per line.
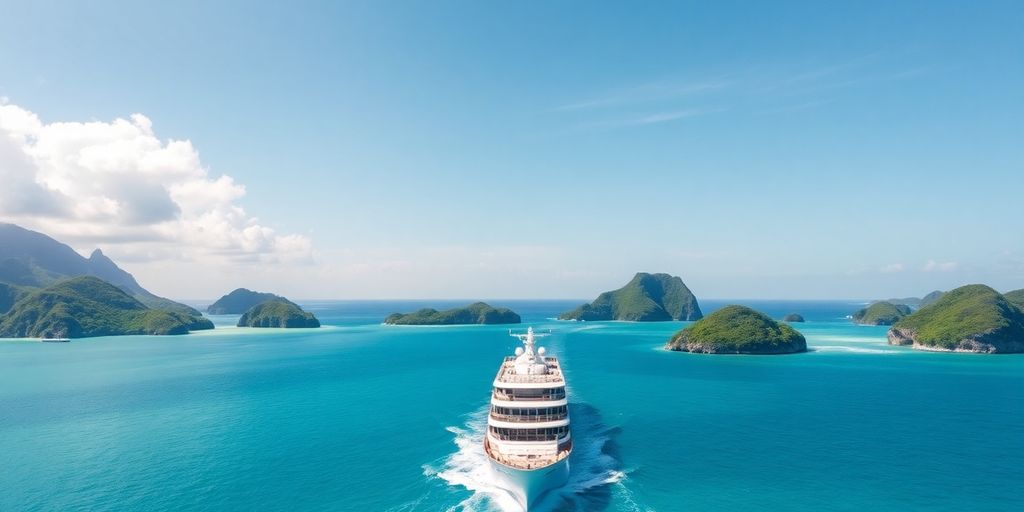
366 417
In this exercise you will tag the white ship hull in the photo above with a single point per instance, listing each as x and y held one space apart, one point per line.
529 486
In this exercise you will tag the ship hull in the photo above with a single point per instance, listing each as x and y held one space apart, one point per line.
528 487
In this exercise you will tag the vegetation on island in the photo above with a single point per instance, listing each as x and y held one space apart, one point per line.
738 330
476 313
972 318
9 294
646 298
881 313
88 306
241 300
931 298
916 302
1016 298
278 313
793 318
32 260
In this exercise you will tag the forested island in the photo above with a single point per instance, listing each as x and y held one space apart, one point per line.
645 298
30 260
241 300
1016 297
881 313
738 330
47 290
278 313
476 313
972 318
88 306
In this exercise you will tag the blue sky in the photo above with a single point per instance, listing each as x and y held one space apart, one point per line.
484 149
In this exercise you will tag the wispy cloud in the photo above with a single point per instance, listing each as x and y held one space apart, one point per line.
651 118
664 117
763 89
647 92
939 266
892 268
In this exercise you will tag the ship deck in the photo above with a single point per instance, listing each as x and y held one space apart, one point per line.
528 462
507 372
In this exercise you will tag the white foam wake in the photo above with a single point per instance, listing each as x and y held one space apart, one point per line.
592 468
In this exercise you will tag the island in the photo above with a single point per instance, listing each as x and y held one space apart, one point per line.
87 306
738 330
930 299
1016 298
32 260
646 298
793 318
241 300
972 318
916 302
278 313
476 313
9 294
881 313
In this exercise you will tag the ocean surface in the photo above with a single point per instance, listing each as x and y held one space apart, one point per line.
360 416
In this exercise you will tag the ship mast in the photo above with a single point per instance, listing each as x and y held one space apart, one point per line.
528 360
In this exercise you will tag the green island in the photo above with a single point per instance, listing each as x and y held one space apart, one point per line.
972 318
930 299
646 298
793 318
87 306
476 313
31 260
9 294
1015 297
278 313
917 302
241 300
738 330
881 313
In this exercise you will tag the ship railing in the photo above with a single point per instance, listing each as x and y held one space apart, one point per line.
528 398
532 438
510 376
529 419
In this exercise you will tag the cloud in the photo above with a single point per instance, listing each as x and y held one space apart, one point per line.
892 268
653 91
939 266
763 88
118 185
652 118
664 117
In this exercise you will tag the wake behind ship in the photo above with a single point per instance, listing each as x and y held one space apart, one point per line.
528 439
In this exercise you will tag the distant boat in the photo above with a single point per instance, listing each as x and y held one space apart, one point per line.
528 441
55 340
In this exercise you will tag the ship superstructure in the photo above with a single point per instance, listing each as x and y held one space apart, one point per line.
528 437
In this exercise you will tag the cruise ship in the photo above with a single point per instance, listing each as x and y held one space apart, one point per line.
528 439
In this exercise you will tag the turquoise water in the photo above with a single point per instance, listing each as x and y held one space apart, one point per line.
359 416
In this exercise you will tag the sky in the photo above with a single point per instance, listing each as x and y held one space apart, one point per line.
375 150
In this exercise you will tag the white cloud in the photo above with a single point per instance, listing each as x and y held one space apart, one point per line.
116 184
892 268
939 266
